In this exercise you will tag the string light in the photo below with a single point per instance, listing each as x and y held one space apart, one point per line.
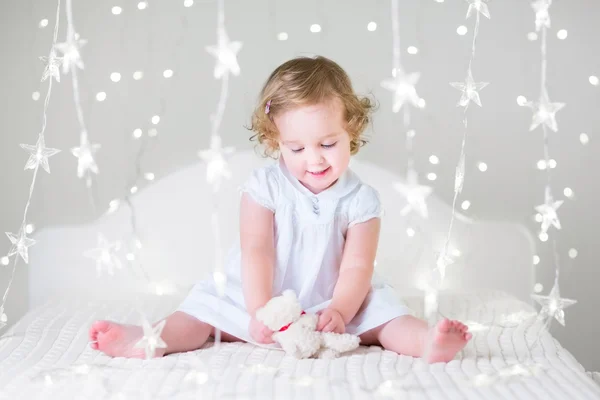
137 75
573 253
35 96
168 73
462 30
282 36
434 159
532 36
536 260
39 155
188 3
115 77
142 5
465 205
594 80
521 100
101 96
43 23
315 28
562 34
412 50
371 26
482 166
116 10
584 138
432 176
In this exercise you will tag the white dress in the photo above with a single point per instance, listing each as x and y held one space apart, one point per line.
310 232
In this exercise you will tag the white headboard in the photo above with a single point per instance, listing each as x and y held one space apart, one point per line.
174 221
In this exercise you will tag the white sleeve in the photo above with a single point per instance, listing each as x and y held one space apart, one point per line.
366 205
263 187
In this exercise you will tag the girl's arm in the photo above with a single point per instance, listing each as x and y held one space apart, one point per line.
258 253
356 270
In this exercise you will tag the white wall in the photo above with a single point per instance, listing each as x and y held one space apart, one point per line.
146 40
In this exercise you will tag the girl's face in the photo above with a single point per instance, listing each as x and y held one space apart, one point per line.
314 143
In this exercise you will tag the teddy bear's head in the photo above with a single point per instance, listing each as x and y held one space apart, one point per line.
280 311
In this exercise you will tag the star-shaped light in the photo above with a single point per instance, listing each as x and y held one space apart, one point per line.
70 50
442 262
217 167
403 86
479 6
52 64
39 154
20 244
226 54
545 112
553 305
85 157
470 90
548 211
151 339
415 194
542 16
105 256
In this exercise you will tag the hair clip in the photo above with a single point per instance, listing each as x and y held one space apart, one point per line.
268 107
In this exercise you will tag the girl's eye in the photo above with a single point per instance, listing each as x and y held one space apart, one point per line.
297 150
328 146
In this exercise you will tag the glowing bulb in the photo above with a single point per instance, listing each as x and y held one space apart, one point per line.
432 176
115 77
35 96
594 80
434 159
562 34
130 256
536 260
168 73
541 164
568 192
133 189
101 96
421 103
371 26
43 23
117 10
552 163
482 166
155 120
282 36
543 236
539 217
532 36
137 75
573 253
29 228
462 30
142 5
4 261
410 232
188 3
137 133
149 176
152 132
465 205
314 28
584 139
439 1
521 100
538 287
412 50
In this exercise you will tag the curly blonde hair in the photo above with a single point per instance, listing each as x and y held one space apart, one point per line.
308 81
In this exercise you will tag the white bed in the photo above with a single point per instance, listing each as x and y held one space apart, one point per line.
46 354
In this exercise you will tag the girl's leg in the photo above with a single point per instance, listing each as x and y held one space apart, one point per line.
411 336
181 333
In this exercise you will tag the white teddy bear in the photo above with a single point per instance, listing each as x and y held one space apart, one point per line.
296 331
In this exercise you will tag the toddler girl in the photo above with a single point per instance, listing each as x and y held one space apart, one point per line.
307 223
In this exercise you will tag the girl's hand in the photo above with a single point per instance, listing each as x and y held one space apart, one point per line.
331 320
259 332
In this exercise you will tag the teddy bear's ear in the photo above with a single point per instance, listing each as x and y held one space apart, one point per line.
289 294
